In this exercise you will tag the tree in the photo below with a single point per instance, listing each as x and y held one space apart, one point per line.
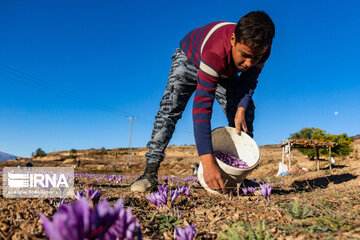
38 153
342 147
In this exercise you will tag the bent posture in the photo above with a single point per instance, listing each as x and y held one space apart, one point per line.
208 63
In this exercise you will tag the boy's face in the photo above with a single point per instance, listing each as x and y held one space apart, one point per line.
245 57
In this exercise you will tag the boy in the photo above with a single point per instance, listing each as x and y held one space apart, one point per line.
208 62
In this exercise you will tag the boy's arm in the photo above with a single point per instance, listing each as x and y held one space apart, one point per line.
208 75
209 71
249 78
212 175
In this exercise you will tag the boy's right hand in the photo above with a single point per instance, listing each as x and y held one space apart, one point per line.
212 175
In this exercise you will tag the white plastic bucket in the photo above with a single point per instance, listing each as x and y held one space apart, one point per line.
225 139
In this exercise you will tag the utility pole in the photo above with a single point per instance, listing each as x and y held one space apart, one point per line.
130 140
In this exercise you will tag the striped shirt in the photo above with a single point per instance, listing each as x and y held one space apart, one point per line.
209 49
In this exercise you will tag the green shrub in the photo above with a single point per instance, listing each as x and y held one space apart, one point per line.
38 153
342 147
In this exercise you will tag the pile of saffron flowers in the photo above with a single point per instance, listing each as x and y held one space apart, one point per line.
231 160
82 220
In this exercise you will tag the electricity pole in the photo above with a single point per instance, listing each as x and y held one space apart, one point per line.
130 139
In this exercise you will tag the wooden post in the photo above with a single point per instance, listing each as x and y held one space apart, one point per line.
283 154
289 156
330 157
317 159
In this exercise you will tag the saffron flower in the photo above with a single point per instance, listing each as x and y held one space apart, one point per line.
187 233
163 189
89 194
230 160
174 194
170 180
184 190
79 220
112 177
251 190
62 201
265 190
179 191
260 181
191 178
245 191
159 199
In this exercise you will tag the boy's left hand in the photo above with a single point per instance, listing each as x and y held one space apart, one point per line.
240 122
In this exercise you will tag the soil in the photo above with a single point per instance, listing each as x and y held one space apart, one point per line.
329 199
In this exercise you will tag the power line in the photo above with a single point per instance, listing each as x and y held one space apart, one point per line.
31 81
26 79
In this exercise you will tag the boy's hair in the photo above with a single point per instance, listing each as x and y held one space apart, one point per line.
255 29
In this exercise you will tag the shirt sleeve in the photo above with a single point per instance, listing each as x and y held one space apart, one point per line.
250 79
210 68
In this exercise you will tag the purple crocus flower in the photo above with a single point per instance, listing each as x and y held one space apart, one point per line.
179 191
187 233
251 190
163 189
89 194
245 191
187 179
126 225
112 177
120 179
159 198
195 180
79 221
171 180
191 178
62 201
265 190
166 180
184 190
174 194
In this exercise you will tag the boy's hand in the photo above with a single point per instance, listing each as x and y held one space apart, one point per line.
240 122
212 175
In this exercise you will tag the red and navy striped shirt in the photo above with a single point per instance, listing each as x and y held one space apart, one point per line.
209 49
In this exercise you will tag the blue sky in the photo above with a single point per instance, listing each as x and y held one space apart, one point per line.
72 71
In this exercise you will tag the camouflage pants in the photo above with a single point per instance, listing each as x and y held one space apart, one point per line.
180 86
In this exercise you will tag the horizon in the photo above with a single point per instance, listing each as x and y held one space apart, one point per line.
355 137
72 73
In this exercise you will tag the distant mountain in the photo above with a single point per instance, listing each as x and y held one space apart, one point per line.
6 156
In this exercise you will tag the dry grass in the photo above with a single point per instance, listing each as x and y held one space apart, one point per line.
314 205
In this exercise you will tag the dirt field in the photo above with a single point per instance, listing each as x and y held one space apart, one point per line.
312 205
